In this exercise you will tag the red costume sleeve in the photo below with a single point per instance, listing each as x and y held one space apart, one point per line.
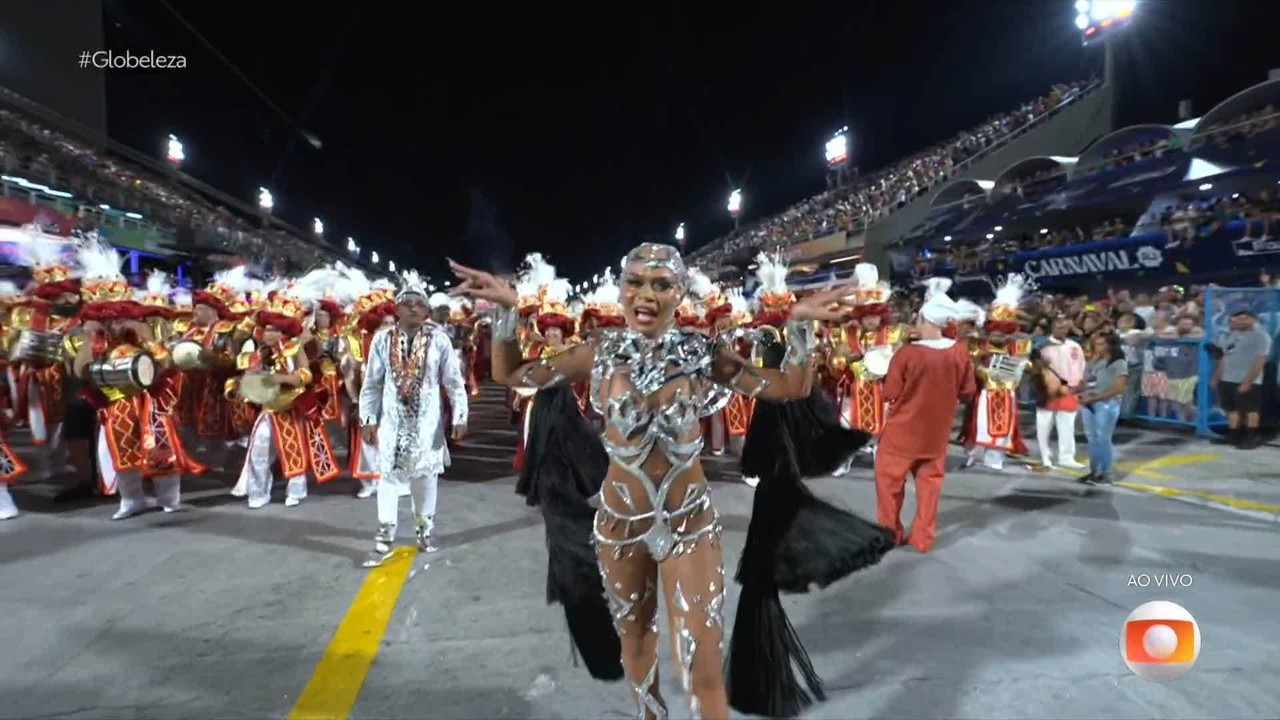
894 380
968 377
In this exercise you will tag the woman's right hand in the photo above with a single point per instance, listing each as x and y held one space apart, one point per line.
483 285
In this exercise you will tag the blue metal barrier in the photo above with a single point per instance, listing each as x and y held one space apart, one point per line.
1175 384
1220 304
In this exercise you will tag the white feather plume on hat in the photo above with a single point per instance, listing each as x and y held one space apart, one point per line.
236 278
738 302
1010 292
536 274
700 286
606 293
317 284
8 288
99 262
36 249
771 271
181 297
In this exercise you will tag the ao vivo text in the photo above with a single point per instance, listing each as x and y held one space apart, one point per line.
1160 580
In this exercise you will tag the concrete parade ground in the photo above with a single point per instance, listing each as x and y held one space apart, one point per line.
224 612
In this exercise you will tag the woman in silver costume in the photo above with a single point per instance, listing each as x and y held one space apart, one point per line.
652 384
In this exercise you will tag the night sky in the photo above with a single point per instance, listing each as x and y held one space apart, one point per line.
486 133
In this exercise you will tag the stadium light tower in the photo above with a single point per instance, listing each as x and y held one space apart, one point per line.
391 265
175 154
735 206
837 154
373 257
1096 19
680 235
265 201
317 226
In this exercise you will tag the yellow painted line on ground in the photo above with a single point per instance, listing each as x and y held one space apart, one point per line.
1226 500
336 682
1148 468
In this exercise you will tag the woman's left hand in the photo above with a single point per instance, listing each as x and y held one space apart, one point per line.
831 304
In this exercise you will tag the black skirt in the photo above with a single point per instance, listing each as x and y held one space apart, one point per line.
795 541
564 467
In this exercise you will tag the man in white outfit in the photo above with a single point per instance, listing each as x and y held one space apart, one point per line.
1064 358
400 412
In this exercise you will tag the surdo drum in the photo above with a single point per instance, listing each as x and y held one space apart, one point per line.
133 371
38 346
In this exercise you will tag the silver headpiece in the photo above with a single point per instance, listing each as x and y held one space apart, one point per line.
659 255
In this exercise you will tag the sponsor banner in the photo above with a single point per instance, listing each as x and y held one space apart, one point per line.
1140 254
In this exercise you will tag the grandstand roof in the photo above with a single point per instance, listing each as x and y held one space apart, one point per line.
1034 164
957 190
1241 102
1118 139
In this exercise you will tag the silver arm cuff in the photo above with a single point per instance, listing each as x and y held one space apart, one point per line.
800 343
505 323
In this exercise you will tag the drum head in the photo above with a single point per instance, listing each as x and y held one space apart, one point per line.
144 370
186 353
877 361
258 388
249 346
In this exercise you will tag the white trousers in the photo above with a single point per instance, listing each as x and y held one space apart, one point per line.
128 483
422 494
255 477
1065 423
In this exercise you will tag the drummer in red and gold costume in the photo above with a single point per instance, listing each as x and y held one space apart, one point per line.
374 308
289 428
462 324
39 369
125 364
860 391
216 312
323 340
11 467
991 429
553 327
600 309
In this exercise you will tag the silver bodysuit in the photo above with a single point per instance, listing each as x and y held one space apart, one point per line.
628 372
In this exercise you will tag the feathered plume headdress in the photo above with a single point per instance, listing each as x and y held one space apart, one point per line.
739 307
155 296
103 288
773 295
1004 309
373 299
544 295
971 312
47 258
602 303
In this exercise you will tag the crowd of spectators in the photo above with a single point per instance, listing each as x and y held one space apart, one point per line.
1240 127
43 155
867 199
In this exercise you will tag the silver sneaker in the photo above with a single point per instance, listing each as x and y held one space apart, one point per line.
424 536
382 546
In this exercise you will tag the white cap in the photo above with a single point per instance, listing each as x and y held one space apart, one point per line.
940 309
438 300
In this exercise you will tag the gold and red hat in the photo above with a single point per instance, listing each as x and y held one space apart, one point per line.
715 304
50 259
226 293
543 296
282 310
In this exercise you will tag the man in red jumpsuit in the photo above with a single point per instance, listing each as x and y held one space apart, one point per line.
927 379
